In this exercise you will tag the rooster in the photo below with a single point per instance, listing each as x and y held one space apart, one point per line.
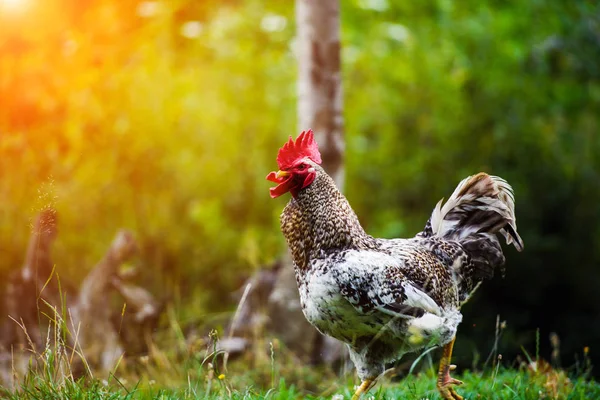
388 297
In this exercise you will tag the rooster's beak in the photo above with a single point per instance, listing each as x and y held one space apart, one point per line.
282 174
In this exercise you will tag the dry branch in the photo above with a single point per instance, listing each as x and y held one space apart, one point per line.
30 288
92 313
34 300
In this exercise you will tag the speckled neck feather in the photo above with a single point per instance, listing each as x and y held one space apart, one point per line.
320 220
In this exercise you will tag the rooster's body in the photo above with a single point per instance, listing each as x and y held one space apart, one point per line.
387 297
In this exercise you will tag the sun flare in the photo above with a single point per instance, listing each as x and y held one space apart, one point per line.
12 5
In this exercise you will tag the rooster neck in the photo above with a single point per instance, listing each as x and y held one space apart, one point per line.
319 221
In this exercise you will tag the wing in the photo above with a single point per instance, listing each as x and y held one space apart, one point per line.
431 265
373 281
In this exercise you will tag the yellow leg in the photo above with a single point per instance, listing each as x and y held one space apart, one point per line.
445 382
363 388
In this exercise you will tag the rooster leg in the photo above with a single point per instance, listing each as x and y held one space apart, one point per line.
445 382
363 388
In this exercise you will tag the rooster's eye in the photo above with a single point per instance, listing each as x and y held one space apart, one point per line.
301 167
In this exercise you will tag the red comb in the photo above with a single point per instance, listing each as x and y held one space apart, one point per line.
304 146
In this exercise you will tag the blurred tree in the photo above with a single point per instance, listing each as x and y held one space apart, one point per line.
319 80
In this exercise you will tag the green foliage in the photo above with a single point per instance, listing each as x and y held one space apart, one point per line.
168 135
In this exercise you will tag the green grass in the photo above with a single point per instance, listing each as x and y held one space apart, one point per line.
506 384
267 371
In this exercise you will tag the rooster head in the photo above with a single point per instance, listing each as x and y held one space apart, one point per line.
296 161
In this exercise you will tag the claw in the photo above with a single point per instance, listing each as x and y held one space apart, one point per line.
449 393
450 381
446 389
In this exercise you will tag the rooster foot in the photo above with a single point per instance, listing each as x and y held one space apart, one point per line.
363 388
446 384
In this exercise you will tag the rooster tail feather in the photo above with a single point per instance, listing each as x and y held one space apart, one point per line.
481 206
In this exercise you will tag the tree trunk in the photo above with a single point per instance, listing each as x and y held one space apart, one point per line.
319 109
319 80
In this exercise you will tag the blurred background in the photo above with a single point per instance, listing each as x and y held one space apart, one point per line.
164 117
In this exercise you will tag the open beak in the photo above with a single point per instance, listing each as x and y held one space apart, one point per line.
282 174
284 182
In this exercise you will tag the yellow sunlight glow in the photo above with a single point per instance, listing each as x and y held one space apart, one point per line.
12 5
